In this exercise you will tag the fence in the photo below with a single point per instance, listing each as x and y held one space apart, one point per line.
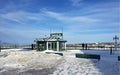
14 46
90 48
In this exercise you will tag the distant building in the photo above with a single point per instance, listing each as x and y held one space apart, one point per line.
54 42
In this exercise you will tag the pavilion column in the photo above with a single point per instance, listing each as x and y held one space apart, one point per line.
57 45
50 45
47 45
65 45
37 46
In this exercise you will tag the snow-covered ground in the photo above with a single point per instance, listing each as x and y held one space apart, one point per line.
23 62
27 62
108 65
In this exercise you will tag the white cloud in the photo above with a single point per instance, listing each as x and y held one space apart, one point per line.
24 32
70 19
22 16
84 23
76 2
85 38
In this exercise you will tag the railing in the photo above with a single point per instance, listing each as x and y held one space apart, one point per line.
90 48
14 47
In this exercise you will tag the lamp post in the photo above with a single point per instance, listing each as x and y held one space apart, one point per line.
115 38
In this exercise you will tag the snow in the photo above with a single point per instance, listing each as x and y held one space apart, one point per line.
26 60
76 67
108 65
48 51
23 62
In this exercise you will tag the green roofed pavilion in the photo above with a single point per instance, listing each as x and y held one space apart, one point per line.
54 42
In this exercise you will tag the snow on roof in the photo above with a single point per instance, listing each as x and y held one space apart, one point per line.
51 38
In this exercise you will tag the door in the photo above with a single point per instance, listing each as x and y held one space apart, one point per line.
54 45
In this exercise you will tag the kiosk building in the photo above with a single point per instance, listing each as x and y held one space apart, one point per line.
54 42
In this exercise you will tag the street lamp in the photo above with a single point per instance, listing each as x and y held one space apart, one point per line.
115 38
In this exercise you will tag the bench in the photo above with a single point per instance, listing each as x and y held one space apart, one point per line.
91 56
61 54
118 58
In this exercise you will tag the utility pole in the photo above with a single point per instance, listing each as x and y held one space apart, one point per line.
115 44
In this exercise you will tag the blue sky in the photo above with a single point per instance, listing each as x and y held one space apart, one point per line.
22 21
